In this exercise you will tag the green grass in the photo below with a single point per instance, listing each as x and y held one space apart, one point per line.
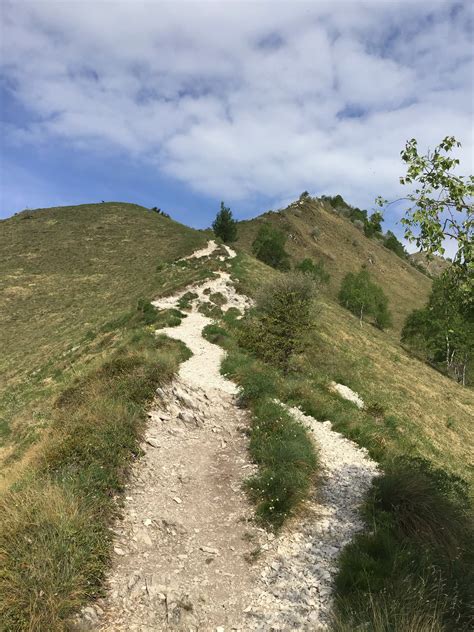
411 409
342 248
68 278
413 566
411 569
279 445
54 537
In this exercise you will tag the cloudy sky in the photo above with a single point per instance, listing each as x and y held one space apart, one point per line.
182 104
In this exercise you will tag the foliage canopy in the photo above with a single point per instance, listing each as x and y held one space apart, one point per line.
269 247
363 297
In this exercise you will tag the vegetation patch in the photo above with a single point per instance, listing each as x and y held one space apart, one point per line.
54 537
279 445
412 568
185 301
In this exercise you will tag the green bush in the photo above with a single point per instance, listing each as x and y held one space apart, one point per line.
391 242
316 271
269 247
275 330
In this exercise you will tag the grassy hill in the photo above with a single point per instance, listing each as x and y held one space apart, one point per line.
81 363
64 273
411 408
315 230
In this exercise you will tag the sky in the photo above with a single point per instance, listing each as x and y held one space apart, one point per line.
183 104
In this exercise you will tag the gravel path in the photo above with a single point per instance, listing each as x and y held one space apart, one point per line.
294 589
184 553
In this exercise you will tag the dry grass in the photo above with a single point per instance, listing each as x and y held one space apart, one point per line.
65 273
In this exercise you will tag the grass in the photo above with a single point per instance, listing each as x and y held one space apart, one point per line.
411 569
54 537
411 409
68 278
342 248
279 445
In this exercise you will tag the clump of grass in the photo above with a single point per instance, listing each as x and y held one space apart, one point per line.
54 538
281 447
414 568
185 301
218 298
169 318
278 444
215 334
53 552
210 310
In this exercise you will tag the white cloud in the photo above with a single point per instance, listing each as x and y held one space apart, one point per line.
244 99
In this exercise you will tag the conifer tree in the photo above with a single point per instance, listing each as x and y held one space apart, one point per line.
225 226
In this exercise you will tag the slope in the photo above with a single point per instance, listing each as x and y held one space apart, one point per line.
64 273
315 230
411 408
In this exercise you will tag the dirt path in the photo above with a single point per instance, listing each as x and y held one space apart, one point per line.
186 547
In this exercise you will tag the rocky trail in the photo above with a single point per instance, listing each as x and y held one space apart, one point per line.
187 553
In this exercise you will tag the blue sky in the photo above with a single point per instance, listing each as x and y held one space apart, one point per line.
182 104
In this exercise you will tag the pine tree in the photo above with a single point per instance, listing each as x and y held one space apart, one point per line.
225 226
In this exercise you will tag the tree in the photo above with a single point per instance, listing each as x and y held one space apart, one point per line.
443 331
364 298
441 206
225 226
316 270
373 224
269 247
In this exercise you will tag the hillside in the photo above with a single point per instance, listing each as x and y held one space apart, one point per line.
435 265
151 444
315 230
415 409
64 273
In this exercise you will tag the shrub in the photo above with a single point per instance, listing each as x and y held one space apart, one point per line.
316 271
373 226
392 243
224 226
185 301
269 247
275 331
